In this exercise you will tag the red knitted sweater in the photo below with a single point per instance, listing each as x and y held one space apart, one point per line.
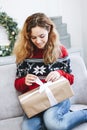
20 82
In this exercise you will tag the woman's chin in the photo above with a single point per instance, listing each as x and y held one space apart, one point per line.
40 47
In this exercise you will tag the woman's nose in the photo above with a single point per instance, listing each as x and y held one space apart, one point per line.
38 40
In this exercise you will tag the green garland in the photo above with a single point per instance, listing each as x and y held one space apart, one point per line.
12 31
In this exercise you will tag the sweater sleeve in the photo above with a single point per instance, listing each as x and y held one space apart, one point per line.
67 75
20 85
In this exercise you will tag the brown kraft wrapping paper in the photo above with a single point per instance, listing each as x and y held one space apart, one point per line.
34 102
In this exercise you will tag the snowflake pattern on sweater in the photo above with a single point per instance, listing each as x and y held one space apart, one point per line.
37 67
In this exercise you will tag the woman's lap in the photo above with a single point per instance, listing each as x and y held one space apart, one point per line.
57 117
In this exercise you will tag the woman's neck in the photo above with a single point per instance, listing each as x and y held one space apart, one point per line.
38 53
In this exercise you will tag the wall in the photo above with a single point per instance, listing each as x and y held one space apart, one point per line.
74 14
71 12
84 29
20 9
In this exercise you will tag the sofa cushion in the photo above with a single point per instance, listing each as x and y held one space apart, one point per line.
81 127
9 104
11 124
80 81
76 107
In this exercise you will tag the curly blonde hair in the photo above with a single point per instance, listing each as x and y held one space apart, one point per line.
24 47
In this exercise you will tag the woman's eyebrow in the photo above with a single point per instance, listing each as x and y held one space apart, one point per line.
38 35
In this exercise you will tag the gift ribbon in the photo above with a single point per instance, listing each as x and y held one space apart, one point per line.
44 87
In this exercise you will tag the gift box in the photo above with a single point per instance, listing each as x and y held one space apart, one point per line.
45 96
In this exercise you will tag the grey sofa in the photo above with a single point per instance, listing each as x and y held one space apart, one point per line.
11 113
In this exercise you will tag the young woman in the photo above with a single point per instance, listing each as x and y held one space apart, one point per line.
40 54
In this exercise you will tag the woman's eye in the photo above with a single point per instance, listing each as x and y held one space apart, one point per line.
42 36
33 37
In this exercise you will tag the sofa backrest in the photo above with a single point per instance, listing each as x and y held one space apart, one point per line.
9 104
80 81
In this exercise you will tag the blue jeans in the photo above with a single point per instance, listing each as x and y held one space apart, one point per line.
57 117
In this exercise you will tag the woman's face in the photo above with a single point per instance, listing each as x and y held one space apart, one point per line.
39 36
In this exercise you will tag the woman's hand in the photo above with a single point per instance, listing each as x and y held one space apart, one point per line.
53 76
30 79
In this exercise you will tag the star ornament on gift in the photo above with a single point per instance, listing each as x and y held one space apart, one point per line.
39 70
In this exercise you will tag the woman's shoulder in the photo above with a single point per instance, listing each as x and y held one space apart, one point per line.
64 51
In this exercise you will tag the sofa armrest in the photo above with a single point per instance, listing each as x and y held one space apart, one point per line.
80 83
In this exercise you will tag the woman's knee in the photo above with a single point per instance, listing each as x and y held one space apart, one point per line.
57 112
54 118
56 125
